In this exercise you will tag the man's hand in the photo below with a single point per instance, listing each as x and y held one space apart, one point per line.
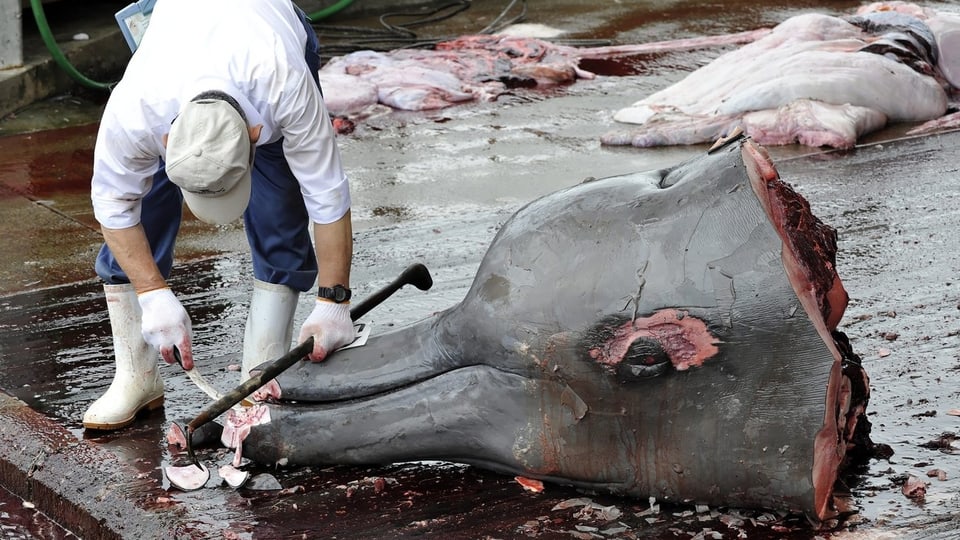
166 325
331 328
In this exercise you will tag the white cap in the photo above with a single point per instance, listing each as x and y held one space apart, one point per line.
208 156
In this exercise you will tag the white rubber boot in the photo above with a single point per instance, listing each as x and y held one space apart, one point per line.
136 383
269 325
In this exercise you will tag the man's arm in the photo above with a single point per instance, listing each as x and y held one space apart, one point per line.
131 249
165 323
334 248
329 323
310 148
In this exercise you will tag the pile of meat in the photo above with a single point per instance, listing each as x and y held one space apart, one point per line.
815 79
476 67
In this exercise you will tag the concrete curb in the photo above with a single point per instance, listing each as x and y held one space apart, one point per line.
103 55
82 487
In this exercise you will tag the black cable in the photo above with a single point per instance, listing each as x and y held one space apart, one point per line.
345 39
431 17
496 25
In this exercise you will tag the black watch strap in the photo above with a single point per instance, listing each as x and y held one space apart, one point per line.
338 293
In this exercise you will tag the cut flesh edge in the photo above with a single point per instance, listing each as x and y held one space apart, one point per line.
818 288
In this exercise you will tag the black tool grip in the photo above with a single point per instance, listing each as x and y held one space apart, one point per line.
416 275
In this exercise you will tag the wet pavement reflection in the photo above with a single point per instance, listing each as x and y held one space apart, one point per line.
19 520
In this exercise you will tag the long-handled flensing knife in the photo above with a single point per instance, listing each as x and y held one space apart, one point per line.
416 275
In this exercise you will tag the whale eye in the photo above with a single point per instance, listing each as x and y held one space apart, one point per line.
644 359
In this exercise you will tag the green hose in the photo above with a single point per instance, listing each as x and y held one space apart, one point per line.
62 61
328 11
57 54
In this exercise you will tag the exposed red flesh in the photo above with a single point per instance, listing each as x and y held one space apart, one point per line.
685 339
237 427
529 484
809 258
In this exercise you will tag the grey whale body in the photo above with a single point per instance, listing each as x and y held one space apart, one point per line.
669 333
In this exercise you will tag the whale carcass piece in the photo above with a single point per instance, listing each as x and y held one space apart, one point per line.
472 67
669 333
816 79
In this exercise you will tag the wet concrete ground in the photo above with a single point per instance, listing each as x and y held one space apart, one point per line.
434 187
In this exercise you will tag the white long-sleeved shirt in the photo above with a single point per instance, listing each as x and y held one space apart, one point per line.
251 49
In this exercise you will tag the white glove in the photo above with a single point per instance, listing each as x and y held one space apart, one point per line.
331 328
166 325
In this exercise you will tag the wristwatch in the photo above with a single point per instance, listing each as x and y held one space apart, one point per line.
338 293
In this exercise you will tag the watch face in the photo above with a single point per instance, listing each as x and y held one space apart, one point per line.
337 293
